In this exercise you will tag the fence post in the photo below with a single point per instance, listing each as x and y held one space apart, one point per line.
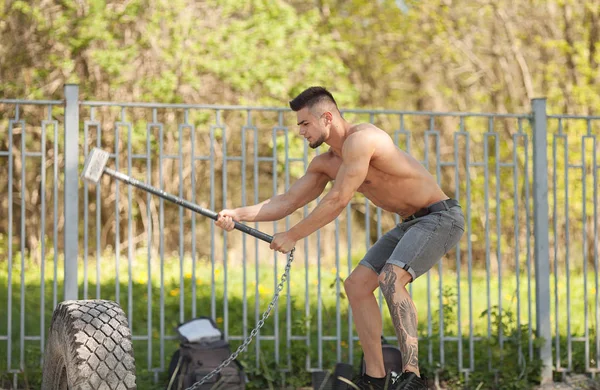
541 235
71 224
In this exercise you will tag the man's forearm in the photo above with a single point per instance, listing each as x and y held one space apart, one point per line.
325 212
272 209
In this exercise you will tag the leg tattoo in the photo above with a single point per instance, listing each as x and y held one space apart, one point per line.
405 323
388 286
404 317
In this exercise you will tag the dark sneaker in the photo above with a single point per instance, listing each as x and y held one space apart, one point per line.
410 381
362 383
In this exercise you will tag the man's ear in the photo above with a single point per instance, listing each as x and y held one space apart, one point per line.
328 117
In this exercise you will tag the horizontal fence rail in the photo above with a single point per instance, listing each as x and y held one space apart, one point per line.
165 265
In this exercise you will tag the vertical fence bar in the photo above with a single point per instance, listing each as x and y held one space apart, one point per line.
458 251
429 299
117 210
541 234
130 240
556 235
150 241
469 232
223 130
274 176
9 308
528 202
42 235
568 253
584 197
256 246
193 217
595 200
86 202
161 230
245 129
288 308
181 229
22 240
54 214
98 213
349 268
307 307
319 295
71 200
486 196
498 183
212 154
516 229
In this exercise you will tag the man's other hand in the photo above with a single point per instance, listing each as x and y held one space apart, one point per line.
283 242
226 219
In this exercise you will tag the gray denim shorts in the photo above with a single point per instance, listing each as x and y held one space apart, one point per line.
418 244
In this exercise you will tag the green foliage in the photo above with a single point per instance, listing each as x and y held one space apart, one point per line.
498 365
267 373
262 49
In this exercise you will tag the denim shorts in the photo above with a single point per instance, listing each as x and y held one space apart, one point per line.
418 244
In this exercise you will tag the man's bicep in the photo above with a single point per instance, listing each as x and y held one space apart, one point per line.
353 170
350 176
307 188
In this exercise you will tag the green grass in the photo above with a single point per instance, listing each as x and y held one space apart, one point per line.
487 352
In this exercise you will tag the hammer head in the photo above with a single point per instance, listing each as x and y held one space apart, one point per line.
94 165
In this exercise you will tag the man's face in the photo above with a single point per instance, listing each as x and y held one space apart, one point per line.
312 127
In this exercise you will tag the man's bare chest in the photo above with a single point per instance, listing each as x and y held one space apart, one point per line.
374 178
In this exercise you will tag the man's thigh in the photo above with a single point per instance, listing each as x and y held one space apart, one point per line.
427 240
382 249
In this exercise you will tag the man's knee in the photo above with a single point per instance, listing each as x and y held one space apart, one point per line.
360 282
392 274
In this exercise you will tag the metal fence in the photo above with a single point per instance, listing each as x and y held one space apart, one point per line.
527 265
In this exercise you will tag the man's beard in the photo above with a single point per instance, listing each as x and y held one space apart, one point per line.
317 143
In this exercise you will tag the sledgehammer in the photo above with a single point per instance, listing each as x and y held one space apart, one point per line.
95 167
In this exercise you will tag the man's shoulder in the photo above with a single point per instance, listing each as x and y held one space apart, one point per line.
361 127
366 134
318 163
364 131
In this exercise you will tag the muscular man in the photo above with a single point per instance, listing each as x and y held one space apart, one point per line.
363 158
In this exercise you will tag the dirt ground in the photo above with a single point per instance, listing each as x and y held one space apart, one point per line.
579 382
573 382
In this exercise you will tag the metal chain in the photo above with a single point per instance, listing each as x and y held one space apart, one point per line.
254 331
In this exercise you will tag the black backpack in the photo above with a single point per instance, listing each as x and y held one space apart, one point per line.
392 358
197 357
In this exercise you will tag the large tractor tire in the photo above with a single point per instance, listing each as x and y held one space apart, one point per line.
89 348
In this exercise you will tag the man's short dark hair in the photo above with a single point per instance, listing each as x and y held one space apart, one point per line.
311 96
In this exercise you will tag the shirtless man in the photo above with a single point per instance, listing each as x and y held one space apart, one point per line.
364 158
